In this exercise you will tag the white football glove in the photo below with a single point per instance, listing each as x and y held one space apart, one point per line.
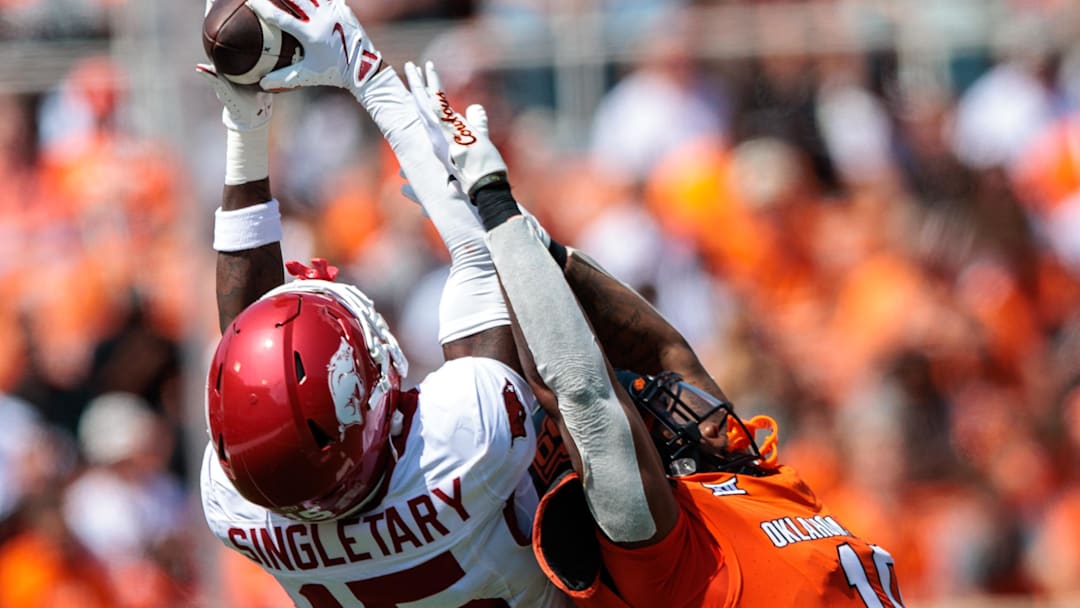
246 117
246 108
337 51
460 142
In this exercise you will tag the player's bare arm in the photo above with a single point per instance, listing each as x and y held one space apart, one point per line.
496 343
247 226
243 276
634 334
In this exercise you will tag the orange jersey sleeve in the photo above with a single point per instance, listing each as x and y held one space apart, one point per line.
687 568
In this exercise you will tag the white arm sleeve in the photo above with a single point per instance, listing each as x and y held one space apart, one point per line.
571 363
471 300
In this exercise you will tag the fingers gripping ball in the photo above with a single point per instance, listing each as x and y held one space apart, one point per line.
243 47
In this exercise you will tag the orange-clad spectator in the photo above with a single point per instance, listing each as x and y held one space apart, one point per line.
46 566
992 296
737 206
1058 292
171 289
70 307
13 348
1048 172
1052 560
687 192
871 318
351 216
16 204
244 583
1047 181
984 418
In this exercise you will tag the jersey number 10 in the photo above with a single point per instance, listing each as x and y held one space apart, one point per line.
858 576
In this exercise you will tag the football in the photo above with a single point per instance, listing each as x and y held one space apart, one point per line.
243 47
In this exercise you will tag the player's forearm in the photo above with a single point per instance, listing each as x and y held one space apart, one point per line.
624 322
471 304
247 226
573 367
394 112
244 275
633 333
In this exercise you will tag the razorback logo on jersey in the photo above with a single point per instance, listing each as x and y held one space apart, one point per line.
728 487
515 411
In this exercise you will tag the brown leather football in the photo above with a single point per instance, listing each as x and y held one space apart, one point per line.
244 48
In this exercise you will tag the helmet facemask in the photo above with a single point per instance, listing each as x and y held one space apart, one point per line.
673 411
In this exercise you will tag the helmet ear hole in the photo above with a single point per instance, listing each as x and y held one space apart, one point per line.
217 383
301 375
223 454
321 438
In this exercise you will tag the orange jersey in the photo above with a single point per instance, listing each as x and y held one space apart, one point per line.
745 541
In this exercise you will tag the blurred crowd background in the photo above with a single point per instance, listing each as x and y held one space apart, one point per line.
865 214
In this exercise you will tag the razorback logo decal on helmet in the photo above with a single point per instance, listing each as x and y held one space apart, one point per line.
346 385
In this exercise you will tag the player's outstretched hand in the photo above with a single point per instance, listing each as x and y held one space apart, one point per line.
337 51
461 142
246 109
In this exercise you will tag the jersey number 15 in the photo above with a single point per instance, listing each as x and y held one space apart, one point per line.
387 591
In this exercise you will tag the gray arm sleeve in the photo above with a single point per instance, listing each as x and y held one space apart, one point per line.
572 364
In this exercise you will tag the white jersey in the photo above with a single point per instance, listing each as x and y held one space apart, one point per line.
452 529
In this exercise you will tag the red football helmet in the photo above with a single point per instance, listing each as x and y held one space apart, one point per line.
302 393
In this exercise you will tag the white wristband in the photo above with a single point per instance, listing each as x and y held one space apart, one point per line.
247 155
247 228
